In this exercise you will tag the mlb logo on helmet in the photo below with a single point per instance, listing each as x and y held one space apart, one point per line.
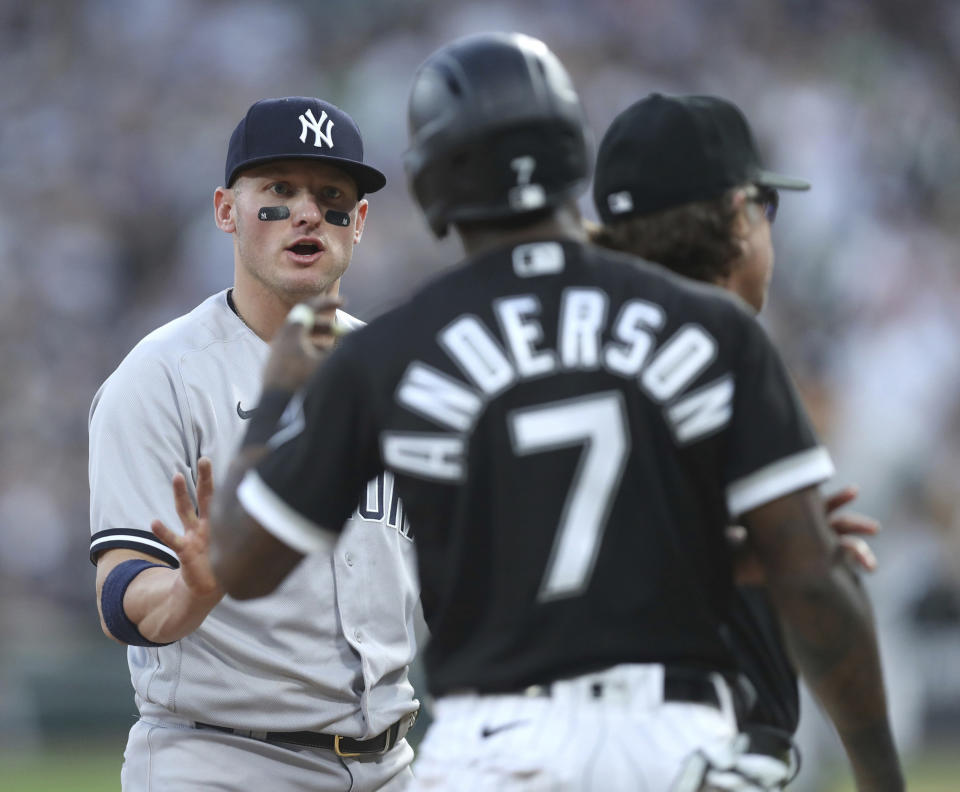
620 202
300 127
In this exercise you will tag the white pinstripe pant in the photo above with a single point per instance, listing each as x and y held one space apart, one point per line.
602 732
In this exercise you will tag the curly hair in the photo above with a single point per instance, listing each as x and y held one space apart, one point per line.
695 240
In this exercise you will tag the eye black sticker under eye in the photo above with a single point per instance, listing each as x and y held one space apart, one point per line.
273 213
332 216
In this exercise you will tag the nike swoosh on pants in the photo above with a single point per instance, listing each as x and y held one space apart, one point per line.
489 731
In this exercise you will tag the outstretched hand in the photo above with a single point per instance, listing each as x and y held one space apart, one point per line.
301 343
850 528
193 547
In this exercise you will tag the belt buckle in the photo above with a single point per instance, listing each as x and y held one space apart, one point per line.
387 745
339 752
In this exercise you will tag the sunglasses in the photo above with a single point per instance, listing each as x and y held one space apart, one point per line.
765 197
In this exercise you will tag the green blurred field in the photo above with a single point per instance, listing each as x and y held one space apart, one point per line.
97 769
73 769
935 772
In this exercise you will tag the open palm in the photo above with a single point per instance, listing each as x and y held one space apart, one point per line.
193 546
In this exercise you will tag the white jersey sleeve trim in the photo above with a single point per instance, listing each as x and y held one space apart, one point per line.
784 476
345 321
132 539
279 519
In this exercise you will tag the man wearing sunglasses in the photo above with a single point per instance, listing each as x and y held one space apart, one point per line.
679 182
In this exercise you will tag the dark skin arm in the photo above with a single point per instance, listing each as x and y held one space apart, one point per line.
828 626
850 529
247 560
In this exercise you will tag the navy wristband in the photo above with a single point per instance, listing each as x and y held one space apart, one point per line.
111 602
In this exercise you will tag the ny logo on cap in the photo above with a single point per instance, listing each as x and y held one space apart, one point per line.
320 135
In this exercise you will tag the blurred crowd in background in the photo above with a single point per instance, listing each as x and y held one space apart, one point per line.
115 119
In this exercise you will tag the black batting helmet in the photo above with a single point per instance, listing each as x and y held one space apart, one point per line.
496 130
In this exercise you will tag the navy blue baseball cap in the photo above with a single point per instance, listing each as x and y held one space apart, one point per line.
300 127
665 151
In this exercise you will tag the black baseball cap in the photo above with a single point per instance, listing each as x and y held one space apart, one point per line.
665 151
300 127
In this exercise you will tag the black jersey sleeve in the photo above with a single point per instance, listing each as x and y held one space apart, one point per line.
313 478
771 449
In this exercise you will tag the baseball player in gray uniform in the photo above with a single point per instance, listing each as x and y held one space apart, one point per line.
307 688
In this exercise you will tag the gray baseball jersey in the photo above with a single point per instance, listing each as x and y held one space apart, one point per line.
328 651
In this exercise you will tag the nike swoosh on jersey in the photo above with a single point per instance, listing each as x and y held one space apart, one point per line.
245 414
489 731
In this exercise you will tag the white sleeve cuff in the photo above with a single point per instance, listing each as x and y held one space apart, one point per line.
780 478
279 519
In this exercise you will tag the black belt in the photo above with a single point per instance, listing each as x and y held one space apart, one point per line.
691 687
342 746
685 685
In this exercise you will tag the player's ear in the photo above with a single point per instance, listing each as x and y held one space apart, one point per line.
740 225
739 236
747 213
223 204
362 206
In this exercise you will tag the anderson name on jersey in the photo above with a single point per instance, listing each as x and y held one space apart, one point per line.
664 371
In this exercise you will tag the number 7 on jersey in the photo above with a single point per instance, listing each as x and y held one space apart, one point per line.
599 424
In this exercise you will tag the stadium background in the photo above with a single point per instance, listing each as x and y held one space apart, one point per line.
115 118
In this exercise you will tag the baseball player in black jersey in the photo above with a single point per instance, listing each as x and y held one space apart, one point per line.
571 431
679 181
